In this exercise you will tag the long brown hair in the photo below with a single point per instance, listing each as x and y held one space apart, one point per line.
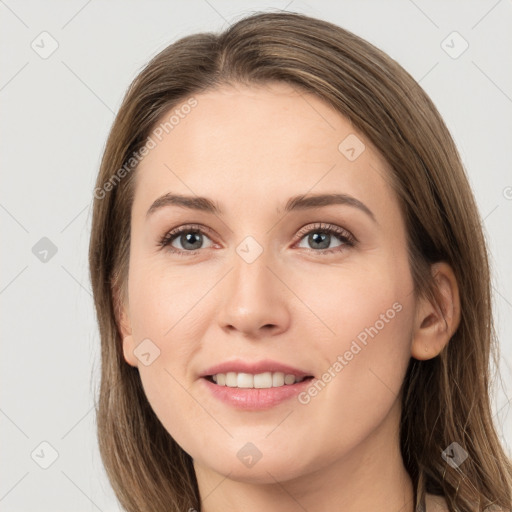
444 399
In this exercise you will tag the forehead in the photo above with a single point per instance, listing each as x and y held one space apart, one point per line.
268 141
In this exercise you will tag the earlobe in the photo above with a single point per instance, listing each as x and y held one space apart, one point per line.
435 323
123 321
124 326
128 348
127 337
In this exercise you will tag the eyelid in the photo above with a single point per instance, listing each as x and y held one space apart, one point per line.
165 241
342 233
326 227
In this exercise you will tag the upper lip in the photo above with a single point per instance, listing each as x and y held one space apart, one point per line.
254 367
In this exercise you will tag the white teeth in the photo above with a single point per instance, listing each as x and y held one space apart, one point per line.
231 379
289 379
260 380
263 380
245 380
277 379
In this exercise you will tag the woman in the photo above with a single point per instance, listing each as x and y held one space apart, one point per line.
291 285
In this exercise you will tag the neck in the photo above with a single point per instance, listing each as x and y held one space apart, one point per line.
370 477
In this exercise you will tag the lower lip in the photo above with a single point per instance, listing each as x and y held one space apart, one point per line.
256 399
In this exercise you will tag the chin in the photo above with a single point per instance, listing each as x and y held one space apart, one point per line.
267 470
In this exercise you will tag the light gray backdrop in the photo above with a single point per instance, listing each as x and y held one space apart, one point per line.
65 66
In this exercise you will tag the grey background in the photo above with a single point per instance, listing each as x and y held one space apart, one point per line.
56 113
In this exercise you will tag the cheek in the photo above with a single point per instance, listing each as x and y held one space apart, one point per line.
166 308
362 315
163 300
372 301
365 360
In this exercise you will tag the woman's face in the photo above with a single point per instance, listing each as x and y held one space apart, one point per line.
254 277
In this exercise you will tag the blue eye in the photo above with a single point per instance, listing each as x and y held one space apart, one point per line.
319 236
190 237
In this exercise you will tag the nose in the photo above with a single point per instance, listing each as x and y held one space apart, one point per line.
254 298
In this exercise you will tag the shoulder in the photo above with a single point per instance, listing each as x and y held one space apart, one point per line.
434 503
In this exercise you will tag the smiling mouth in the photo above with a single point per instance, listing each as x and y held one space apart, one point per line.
263 380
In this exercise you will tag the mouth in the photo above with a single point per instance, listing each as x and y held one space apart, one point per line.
263 380
255 392
255 385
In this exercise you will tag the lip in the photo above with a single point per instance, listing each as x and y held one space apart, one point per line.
255 399
266 365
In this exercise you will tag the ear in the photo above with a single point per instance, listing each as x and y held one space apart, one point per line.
123 322
435 323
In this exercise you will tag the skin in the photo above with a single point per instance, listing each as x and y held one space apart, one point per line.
249 149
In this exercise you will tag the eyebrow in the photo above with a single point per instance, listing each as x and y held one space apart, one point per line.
301 202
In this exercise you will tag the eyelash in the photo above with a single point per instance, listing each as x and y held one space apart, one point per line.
347 239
